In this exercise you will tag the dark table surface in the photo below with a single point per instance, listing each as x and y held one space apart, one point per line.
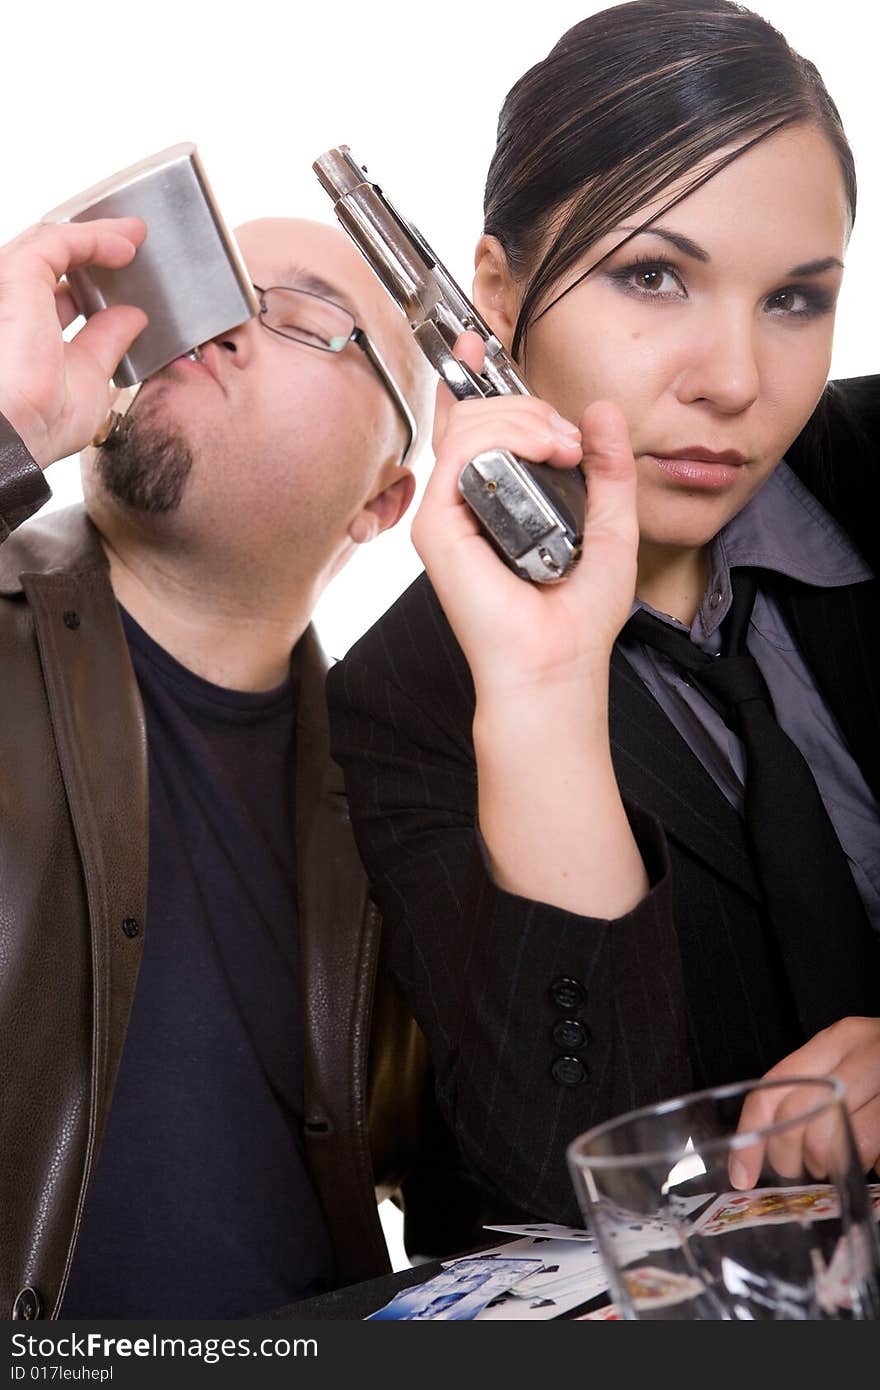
357 1301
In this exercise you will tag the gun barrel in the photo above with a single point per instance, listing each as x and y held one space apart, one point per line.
417 281
378 233
533 515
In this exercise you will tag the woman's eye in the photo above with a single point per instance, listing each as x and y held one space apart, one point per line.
654 279
650 280
793 302
787 302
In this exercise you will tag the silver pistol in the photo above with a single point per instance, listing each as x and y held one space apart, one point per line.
534 514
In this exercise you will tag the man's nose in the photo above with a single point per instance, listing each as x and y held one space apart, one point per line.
722 365
237 344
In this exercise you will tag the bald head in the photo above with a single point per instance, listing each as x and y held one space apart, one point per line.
303 254
275 461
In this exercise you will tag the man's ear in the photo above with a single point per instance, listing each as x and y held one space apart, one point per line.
496 294
385 509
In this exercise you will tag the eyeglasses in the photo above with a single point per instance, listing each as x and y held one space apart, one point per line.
316 322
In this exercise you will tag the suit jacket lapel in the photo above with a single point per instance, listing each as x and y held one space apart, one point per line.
657 770
837 631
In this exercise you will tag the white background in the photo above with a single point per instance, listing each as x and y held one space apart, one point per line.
413 88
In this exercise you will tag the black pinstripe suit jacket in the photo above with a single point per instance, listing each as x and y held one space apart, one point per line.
682 992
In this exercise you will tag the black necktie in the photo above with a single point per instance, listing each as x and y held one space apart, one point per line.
830 953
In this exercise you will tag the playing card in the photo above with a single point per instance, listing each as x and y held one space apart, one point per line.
529 1247
547 1231
571 1274
833 1290
563 1260
513 1307
650 1287
846 1274
647 1229
459 1292
767 1206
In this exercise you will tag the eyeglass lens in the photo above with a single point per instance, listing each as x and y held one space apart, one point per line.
307 318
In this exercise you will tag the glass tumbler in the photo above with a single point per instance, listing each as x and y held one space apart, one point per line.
744 1201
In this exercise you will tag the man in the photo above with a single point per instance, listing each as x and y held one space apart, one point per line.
187 1122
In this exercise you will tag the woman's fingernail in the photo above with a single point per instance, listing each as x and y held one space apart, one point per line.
563 426
738 1175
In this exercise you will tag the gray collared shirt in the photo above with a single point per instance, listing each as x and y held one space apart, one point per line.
781 528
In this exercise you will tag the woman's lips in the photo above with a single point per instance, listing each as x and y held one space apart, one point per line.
701 468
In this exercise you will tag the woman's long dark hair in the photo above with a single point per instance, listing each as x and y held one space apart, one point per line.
629 102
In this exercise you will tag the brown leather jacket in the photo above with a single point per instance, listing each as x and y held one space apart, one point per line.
73 887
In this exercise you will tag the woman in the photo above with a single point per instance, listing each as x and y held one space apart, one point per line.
604 880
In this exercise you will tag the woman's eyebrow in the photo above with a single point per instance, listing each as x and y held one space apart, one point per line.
816 267
690 248
683 243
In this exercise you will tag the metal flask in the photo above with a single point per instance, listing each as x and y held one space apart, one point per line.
188 275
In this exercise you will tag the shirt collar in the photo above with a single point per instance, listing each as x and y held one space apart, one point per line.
782 528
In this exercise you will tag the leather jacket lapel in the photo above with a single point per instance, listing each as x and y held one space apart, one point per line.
98 725
339 942
100 735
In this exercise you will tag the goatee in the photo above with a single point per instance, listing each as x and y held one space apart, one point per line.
146 461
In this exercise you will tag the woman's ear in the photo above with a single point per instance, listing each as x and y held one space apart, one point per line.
496 293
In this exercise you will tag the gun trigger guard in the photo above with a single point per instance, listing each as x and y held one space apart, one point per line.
464 383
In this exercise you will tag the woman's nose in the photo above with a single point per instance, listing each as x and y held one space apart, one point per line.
721 366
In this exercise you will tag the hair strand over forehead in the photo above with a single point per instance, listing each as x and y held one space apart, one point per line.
628 103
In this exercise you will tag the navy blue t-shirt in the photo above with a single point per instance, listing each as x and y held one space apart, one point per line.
202 1205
